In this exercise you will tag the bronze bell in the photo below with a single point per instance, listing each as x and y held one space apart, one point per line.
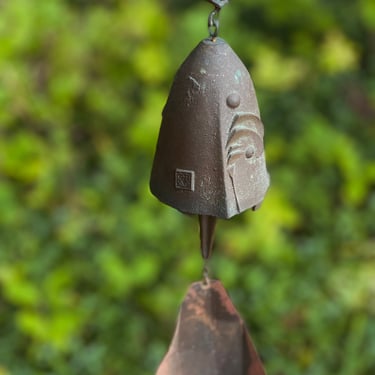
209 158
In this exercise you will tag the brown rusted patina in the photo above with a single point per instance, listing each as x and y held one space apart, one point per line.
210 337
209 158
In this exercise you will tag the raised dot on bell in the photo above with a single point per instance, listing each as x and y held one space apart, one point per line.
233 100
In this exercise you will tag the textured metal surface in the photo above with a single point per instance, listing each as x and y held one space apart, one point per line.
210 337
209 158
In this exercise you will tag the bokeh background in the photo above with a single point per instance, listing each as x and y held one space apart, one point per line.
93 268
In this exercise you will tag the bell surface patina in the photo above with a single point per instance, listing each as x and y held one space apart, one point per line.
210 157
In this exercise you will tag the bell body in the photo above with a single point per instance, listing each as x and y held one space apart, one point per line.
209 157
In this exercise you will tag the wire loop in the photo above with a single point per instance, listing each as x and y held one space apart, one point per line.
213 18
206 278
213 24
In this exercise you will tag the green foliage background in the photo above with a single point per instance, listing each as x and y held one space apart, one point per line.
93 268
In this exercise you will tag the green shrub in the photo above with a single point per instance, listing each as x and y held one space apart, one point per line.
93 268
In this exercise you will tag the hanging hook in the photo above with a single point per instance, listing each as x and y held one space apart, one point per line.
213 18
206 277
213 24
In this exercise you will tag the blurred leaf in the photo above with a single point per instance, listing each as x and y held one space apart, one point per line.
273 71
17 288
338 54
22 157
367 11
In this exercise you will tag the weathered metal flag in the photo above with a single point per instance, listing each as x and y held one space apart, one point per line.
210 337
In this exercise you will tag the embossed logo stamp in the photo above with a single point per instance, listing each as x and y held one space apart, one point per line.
184 179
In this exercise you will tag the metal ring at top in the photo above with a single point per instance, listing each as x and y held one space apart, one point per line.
218 3
213 24
213 18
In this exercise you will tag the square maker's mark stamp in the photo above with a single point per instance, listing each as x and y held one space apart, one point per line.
184 179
